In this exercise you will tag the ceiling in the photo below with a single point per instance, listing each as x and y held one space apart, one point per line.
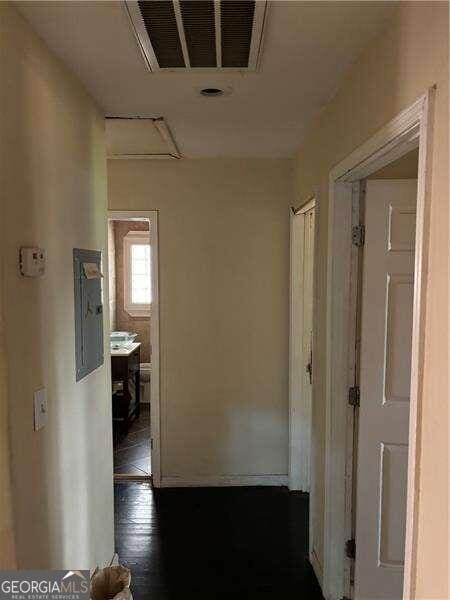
306 50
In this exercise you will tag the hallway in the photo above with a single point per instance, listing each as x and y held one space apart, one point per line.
160 162
214 542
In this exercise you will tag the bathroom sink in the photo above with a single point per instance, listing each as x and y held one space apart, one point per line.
121 339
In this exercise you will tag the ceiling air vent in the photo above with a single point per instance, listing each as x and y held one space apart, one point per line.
199 34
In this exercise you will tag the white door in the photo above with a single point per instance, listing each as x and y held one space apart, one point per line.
307 366
386 331
302 278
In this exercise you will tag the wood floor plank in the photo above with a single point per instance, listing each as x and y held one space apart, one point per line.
214 542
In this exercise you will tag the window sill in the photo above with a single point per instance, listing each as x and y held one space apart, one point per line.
138 312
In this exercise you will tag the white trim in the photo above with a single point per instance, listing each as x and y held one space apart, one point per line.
223 480
130 239
218 31
407 130
337 384
365 159
166 134
180 27
317 567
304 207
133 12
418 339
299 412
137 25
155 406
258 29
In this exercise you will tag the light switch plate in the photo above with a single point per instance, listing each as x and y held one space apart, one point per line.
40 408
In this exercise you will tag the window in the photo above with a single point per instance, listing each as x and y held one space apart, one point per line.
137 273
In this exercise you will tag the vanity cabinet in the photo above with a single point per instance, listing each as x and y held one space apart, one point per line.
125 372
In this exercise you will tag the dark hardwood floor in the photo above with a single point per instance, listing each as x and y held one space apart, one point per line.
214 543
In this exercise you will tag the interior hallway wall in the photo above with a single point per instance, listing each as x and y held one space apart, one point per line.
405 167
54 196
391 74
7 542
224 308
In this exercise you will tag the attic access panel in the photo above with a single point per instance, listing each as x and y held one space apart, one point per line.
137 137
198 34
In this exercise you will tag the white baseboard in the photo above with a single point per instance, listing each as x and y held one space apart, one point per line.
317 567
223 480
295 486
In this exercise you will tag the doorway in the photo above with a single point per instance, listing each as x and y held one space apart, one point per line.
353 357
383 374
301 344
134 320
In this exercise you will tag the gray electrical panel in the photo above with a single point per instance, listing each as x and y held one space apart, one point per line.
87 280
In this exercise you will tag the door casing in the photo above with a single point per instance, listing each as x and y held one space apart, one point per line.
410 129
299 414
155 410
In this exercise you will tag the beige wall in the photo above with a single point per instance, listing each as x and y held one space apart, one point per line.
7 545
53 195
394 70
405 167
124 321
224 275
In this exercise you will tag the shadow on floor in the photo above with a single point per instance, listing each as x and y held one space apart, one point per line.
132 448
214 542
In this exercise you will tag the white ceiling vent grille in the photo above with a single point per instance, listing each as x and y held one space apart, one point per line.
199 34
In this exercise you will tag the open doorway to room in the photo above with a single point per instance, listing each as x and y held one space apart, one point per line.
384 323
377 228
133 292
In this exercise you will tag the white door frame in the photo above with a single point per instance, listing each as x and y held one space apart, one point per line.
155 419
411 128
299 413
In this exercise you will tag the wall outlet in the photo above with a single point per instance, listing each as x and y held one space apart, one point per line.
40 408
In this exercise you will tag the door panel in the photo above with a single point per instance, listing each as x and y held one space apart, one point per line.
301 360
394 464
307 366
397 364
385 372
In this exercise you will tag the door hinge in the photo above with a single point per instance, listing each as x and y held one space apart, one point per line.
151 443
358 234
353 396
350 549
